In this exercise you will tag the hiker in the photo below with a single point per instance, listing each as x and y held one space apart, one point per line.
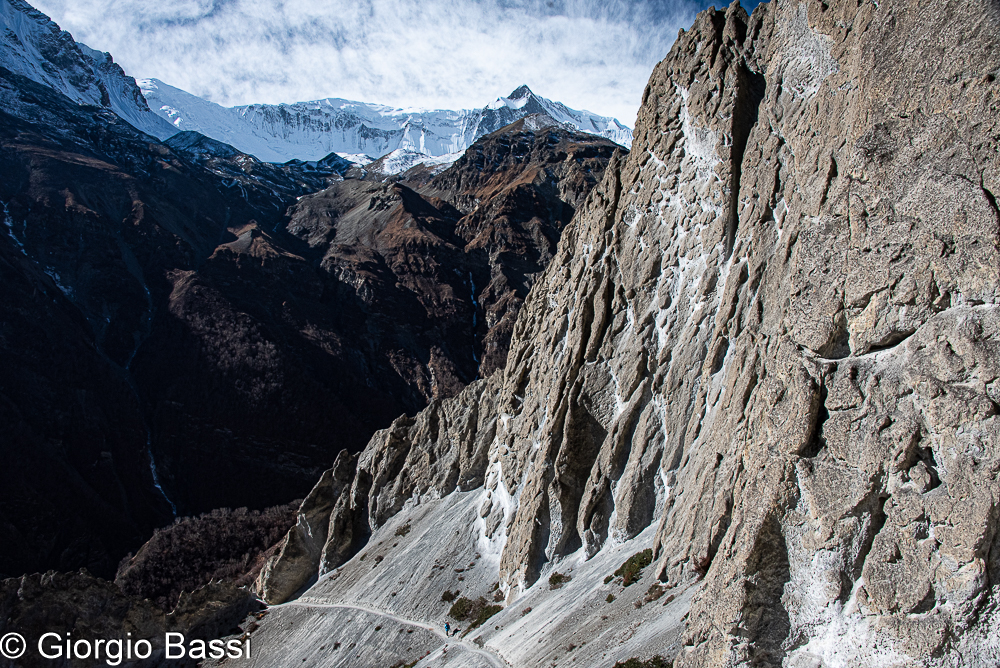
447 629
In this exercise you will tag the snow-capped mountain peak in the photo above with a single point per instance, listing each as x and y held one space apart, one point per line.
516 100
33 46
310 130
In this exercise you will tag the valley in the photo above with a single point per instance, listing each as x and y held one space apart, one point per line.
723 393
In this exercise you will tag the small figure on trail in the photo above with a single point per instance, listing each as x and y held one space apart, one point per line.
447 629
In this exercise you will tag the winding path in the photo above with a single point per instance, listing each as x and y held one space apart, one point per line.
493 659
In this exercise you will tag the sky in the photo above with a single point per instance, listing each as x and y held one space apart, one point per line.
445 54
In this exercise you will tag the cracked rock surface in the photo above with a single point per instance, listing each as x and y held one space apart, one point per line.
773 331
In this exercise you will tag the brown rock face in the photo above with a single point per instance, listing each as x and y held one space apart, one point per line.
773 330
284 347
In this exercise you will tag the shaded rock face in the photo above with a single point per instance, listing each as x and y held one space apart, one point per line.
773 331
86 206
96 218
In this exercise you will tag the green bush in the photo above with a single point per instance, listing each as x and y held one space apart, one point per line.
557 580
484 613
477 611
631 570
610 598
461 609
448 596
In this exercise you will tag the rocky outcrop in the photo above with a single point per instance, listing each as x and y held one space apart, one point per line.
284 575
772 330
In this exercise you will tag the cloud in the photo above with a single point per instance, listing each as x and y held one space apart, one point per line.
588 54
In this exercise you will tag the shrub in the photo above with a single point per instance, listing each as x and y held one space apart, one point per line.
610 598
485 613
654 592
557 580
655 662
448 596
631 570
477 611
461 609
609 579
403 530
228 545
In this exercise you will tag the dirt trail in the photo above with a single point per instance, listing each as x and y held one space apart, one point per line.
493 659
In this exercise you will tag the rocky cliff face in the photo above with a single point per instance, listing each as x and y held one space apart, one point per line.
772 334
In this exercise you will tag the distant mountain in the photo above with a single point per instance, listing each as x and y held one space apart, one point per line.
34 47
311 130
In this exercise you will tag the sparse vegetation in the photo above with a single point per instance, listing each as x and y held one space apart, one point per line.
460 609
655 591
526 611
448 596
610 598
405 665
631 570
557 580
403 530
655 662
477 611
230 545
608 579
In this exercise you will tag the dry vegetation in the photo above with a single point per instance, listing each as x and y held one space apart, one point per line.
224 544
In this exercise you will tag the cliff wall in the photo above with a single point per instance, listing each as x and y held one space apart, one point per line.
773 333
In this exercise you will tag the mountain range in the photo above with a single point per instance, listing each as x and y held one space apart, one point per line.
312 130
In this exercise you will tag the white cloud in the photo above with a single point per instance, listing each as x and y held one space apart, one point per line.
589 54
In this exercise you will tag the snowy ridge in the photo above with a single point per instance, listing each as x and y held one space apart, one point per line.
311 130
402 159
34 46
